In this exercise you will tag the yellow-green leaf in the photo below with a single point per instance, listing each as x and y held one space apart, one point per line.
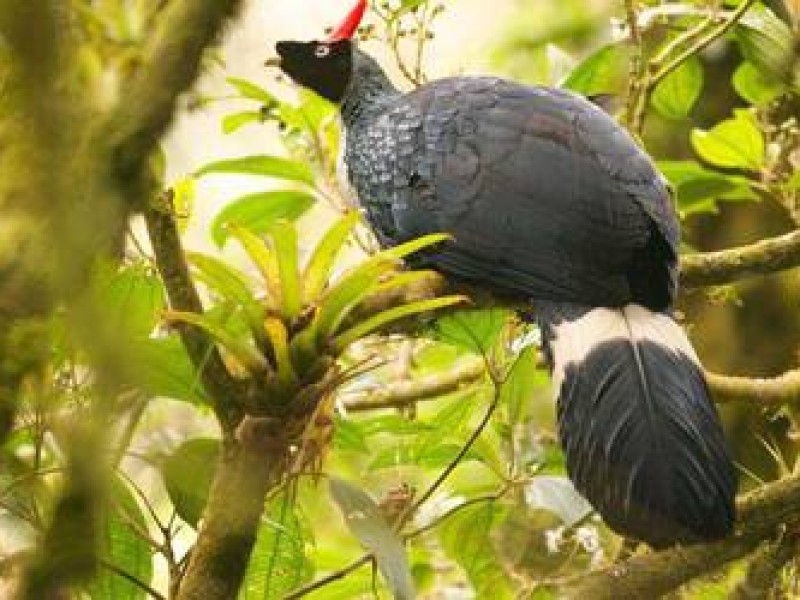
264 260
320 265
677 93
284 238
735 143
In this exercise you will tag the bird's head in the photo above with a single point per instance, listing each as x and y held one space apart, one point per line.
324 66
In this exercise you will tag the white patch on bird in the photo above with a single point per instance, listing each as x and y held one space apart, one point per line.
574 340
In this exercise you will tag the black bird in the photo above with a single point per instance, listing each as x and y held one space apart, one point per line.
547 198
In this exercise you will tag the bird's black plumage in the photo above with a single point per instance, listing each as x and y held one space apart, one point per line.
547 198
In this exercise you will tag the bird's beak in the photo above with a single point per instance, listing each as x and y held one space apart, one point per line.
273 61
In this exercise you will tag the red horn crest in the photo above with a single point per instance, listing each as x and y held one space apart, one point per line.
348 27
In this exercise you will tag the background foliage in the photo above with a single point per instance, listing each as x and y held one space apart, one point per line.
430 447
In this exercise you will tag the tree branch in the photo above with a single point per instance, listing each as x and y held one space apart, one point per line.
727 266
774 391
765 568
761 512
398 395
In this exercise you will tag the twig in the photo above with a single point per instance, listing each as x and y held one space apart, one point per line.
727 266
401 394
765 568
335 576
773 391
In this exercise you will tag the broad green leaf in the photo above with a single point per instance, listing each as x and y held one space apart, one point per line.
734 143
364 519
279 339
466 537
518 387
350 435
698 189
227 282
319 268
383 318
267 166
260 211
756 86
264 260
284 243
677 93
604 71
433 457
133 298
163 368
279 562
557 495
243 352
250 90
315 109
235 121
123 547
766 42
188 473
477 330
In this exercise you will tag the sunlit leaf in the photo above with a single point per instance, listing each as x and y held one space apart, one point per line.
163 368
250 90
183 197
754 85
698 189
267 166
226 281
466 538
383 318
519 385
766 42
278 563
260 211
121 545
284 243
477 330
235 121
365 521
188 473
264 260
604 71
733 143
279 339
319 268
133 298
243 352
677 93
557 495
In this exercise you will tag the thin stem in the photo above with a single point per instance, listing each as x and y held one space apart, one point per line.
132 578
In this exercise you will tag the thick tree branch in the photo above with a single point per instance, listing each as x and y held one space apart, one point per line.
226 392
773 391
761 513
764 570
727 266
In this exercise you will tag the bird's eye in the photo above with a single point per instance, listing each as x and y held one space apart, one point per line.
322 51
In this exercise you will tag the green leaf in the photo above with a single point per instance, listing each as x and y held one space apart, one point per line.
604 71
235 121
188 473
407 248
466 538
350 435
133 298
756 86
677 93
477 330
766 42
121 546
266 166
364 519
243 352
734 143
264 261
278 563
284 239
557 495
518 387
260 211
320 265
252 91
163 368
385 317
698 189
229 284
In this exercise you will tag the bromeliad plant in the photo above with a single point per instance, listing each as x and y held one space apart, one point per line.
287 342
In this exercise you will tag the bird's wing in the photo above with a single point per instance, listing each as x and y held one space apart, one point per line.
544 193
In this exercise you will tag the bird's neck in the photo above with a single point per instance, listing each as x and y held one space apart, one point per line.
367 93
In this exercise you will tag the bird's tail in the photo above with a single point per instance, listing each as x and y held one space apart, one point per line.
642 439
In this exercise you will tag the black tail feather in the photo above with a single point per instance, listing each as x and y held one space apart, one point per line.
642 439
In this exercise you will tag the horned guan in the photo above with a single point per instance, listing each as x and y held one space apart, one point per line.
548 198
